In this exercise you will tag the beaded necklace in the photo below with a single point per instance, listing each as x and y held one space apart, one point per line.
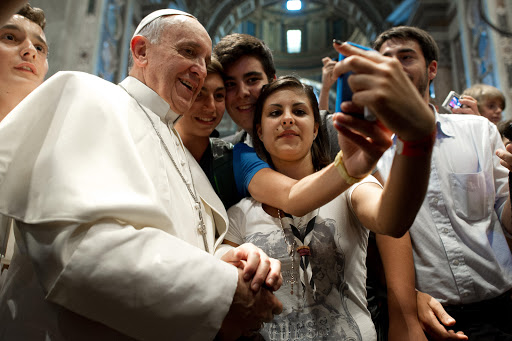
291 251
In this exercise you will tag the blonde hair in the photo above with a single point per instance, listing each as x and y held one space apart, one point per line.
482 92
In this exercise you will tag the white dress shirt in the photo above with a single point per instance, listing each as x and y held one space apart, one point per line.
108 245
460 252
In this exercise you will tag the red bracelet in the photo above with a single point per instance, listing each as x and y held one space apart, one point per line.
416 148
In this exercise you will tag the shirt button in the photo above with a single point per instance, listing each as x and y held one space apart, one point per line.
456 262
434 201
196 206
466 294
445 230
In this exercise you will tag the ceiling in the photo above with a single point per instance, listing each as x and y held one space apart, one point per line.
319 22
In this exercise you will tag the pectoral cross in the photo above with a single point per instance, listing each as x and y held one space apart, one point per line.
202 230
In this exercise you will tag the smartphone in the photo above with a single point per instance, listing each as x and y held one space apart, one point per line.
452 101
343 91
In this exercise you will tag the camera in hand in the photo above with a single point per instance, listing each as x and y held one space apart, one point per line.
343 91
452 101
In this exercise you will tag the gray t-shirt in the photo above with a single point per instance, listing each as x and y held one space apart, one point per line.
337 309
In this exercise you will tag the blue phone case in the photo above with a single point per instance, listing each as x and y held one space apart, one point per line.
343 91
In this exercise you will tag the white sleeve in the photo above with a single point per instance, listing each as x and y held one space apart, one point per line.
144 283
236 230
500 172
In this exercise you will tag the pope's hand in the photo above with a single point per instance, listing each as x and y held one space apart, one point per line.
256 265
248 311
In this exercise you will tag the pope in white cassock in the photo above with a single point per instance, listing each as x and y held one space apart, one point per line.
117 224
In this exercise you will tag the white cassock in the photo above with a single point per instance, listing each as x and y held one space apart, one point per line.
107 240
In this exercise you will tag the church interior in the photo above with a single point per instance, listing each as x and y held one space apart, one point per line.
474 36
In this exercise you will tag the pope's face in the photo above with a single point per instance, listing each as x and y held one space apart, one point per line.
176 65
23 54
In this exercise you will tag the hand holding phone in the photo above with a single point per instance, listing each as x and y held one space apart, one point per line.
343 91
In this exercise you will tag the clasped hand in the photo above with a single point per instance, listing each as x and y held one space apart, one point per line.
256 266
254 302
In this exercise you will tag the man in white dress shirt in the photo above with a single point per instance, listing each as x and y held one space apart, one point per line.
117 223
461 256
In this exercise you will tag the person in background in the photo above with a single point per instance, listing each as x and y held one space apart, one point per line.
505 128
490 101
214 155
23 66
326 113
248 65
117 226
328 81
23 56
462 262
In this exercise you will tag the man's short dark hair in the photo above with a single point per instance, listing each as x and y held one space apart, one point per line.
427 43
33 14
234 46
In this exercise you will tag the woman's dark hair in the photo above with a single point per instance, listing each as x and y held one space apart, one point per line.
320 147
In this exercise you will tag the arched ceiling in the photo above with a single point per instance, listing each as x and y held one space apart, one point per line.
319 20
221 17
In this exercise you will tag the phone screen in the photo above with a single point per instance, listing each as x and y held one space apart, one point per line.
454 102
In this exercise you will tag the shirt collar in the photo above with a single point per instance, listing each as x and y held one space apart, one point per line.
442 126
149 99
247 139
